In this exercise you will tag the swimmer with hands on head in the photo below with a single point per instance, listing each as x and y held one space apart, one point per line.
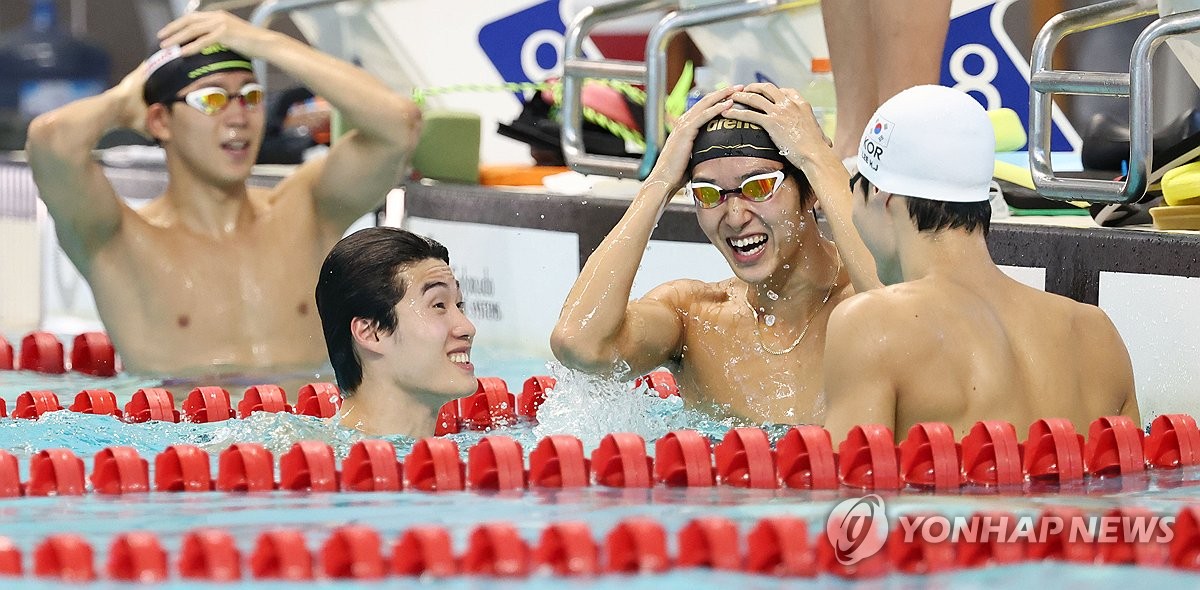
392 315
752 343
215 276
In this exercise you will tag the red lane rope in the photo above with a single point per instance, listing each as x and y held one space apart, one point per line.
988 458
780 546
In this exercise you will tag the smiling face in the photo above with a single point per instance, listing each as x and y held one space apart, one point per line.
222 147
429 352
756 239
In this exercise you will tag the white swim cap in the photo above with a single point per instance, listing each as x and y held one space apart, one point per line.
930 142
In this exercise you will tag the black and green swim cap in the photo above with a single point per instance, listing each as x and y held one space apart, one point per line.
722 138
170 71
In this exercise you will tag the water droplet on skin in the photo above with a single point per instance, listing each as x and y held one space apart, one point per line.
769 320
542 216
773 296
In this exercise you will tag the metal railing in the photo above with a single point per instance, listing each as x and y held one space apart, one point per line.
1137 85
651 73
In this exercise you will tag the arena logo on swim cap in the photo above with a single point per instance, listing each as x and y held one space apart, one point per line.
857 528
721 123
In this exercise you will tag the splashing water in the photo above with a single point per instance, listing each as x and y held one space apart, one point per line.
590 407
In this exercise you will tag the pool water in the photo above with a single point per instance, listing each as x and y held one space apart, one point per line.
585 407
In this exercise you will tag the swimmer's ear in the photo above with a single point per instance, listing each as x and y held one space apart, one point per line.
156 122
366 333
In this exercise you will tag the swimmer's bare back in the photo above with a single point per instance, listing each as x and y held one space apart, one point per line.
958 353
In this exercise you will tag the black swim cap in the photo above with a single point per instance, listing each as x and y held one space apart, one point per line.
169 72
722 138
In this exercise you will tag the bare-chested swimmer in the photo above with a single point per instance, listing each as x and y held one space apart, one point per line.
215 276
752 343
952 338
399 342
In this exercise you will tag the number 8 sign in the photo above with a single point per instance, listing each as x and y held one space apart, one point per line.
981 60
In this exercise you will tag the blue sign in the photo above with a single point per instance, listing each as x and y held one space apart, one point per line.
977 61
526 46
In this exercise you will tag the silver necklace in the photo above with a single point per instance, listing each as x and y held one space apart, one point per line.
808 323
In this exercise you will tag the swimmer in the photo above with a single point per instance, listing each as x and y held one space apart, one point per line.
214 275
751 344
392 315
952 338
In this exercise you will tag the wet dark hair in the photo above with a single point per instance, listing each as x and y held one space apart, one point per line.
360 279
931 216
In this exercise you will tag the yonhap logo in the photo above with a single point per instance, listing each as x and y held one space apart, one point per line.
857 528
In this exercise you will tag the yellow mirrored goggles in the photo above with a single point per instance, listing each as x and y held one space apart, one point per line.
757 188
213 99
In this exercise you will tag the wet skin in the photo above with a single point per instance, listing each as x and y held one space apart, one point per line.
408 373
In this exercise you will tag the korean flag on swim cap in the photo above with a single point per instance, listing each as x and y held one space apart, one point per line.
930 142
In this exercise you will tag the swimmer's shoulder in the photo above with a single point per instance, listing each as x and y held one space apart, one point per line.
884 321
688 290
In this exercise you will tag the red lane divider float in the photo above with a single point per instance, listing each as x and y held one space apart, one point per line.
92 353
322 400
567 548
6 355
558 462
780 546
151 403
621 462
371 466
31 405
805 459
1174 442
43 353
424 551
684 459
353 551
744 459
309 466
263 398
210 555
137 557
182 468
495 549
281 555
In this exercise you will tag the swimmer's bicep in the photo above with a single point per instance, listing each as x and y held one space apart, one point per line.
652 333
354 178
87 211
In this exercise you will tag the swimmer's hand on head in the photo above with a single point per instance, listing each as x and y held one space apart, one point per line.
788 118
671 167
132 112
196 30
